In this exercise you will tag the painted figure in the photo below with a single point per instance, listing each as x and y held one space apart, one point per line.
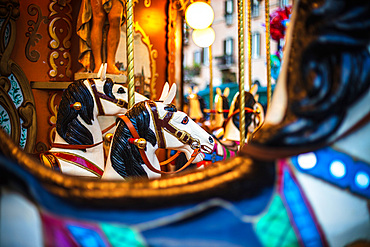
90 27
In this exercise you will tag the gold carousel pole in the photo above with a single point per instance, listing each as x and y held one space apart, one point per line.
241 24
249 9
268 56
130 52
210 82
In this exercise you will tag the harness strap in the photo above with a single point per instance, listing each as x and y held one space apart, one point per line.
247 109
143 154
164 124
98 95
97 98
79 161
108 128
72 146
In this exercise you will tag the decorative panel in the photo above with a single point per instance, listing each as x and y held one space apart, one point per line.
17 107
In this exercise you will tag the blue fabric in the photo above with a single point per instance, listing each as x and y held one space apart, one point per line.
213 157
301 215
321 170
85 236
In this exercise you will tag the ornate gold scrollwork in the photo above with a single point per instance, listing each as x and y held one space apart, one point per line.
34 37
153 53
147 3
60 31
53 109
53 72
67 56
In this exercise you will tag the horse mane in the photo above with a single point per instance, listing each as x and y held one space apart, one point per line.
125 157
333 72
68 126
225 105
108 87
249 102
202 104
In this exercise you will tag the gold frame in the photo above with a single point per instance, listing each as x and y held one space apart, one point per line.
27 110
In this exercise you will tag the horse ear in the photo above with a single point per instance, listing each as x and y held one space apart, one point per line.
218 91
254 89
164 91
190 90
227 92
100 70
196 90
256 97
171 95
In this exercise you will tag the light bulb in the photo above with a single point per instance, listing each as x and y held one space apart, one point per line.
204 37
199 15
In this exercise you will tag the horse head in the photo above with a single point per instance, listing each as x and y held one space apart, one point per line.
156 125
181 132
254 115
88 99
196 104
113 97
310 107
221 106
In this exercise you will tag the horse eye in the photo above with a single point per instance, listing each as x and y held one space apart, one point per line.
121 90
185 120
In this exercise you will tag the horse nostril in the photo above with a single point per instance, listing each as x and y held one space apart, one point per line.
210 139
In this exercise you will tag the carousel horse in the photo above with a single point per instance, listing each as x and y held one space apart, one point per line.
150 125
228 146
196 105
78 145
318 127
302 180
221 111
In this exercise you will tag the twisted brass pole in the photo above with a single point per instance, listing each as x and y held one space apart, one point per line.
130 52
210 81
241 25
249 10
268 56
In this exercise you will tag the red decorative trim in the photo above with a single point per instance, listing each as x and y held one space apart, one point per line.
81 162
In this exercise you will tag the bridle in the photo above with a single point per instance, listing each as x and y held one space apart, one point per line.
99 96
246 109
160 125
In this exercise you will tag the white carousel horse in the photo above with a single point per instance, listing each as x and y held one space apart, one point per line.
154 125
78 149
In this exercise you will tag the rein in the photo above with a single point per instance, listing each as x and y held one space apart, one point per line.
98 96
164 123
182 136
247 109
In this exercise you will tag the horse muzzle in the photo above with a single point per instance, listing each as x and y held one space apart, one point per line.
205 149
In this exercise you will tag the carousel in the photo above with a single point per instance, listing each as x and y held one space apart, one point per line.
98 148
